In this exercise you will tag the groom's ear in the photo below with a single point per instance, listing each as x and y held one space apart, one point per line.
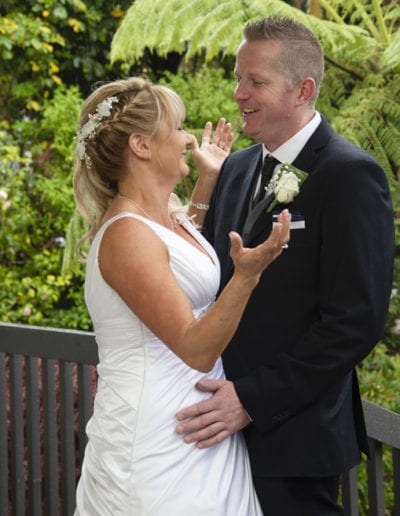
307 88
140 145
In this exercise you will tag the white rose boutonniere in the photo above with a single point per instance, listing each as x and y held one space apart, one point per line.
286 184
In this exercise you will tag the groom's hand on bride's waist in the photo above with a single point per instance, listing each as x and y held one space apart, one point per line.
210 421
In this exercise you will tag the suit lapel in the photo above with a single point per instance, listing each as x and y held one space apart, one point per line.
242 202
306 158
254 221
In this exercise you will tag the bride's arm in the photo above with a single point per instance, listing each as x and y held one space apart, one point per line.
209 157
134 261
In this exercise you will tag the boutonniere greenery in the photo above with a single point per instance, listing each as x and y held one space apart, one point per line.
286 184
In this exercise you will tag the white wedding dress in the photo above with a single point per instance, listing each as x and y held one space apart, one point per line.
135 463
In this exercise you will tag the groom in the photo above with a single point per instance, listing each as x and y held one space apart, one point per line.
320 308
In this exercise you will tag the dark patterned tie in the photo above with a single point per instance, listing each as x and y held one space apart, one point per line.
266 173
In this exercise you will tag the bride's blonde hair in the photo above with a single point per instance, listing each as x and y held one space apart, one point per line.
109 116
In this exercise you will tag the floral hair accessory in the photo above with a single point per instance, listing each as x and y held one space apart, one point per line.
286 184
87 131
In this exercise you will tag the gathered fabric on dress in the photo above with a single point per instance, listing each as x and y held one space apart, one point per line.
135 463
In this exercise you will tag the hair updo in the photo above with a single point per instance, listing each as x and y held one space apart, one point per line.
108 117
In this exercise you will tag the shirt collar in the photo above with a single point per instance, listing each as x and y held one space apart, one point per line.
289 151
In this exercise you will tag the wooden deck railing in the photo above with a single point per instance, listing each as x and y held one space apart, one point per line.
47 383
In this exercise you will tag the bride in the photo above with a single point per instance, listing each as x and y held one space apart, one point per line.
151 285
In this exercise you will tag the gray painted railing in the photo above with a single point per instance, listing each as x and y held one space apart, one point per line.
383 428
47 383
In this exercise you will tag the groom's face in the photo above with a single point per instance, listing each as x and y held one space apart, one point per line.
263 94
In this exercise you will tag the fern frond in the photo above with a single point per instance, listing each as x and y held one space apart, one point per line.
361 133
390 59
370 119
391 139
218 37
202 25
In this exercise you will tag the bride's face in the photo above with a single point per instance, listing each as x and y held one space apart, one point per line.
172 143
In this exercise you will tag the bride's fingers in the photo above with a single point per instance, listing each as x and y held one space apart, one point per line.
229 138
219 130
223 136
206 133
226 139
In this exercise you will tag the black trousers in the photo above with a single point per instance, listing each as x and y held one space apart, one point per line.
299 496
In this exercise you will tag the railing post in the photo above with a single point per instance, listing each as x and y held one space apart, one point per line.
17 436
350 493
50 438
376 493
3 437
67 439
33 436
396 481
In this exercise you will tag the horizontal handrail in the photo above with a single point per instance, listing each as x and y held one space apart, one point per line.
382 425
37 341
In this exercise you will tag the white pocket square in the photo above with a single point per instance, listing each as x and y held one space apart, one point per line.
297 221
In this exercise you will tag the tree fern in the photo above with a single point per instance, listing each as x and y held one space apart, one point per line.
370 118
175 25
380 21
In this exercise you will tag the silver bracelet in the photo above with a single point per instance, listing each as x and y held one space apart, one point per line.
199 205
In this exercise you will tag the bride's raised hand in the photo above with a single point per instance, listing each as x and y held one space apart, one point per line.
213 150
251 262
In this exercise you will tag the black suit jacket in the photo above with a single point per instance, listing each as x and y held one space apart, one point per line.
317 311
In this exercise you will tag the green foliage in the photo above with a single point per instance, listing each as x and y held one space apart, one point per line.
28 43
210 26
36 202
379 378
41 48
46 43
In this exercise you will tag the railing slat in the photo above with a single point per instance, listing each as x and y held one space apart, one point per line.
396 481
66 423
50 441
33 437
3 435
376 492
17 436
350 493
85 404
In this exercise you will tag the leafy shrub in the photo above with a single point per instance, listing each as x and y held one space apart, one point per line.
36 206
